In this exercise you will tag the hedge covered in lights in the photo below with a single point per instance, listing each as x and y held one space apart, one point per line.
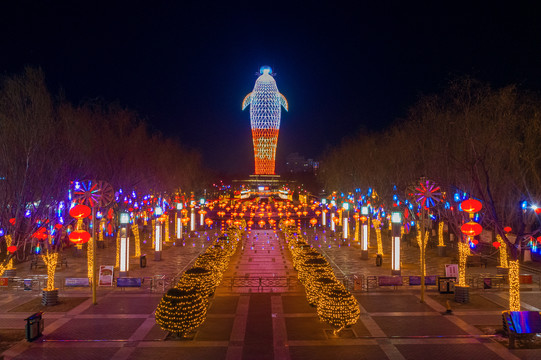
335 304
184 307
181 310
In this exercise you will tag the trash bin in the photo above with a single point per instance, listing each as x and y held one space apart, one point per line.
143 260
34 326
379 259
446 284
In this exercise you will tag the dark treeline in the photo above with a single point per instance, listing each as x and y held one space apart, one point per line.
46 142
472 137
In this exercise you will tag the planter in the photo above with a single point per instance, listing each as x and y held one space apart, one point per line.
525 279
10 273
501 270
462 294
50 297
441 251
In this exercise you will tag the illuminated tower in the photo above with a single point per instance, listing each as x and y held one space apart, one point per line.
265 101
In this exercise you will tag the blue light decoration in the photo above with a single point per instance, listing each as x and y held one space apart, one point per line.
27 214
1 232
524 205
265 101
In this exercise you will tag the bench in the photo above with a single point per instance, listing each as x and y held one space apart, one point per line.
520 324
476 260
37 262
77 282
393 281
123 282
430 280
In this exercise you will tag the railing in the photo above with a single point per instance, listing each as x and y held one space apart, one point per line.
283 283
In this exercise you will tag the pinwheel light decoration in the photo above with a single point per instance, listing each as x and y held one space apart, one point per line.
427 193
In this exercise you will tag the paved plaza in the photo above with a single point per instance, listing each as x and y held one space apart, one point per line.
252 317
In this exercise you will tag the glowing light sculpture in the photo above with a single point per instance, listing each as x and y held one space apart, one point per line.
265 101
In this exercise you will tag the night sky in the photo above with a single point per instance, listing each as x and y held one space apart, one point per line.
186 66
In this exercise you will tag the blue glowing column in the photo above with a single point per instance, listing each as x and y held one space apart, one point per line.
364 233
124 245
396 220
179 221
158 235
345 222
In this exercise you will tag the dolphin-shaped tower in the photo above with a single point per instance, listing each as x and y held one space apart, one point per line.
265 101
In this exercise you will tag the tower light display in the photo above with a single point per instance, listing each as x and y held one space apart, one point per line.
265 102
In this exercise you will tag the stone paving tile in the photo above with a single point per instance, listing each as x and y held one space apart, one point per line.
155 333
364 352
223 305
63 353
215 329
96 329
184 353
296 304
124 305
532 298
417 326
493 320
305 328
446 352
392 303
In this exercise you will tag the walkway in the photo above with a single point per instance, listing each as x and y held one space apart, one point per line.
261 323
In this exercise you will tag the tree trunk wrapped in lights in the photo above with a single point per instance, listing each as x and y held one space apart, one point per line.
166 237
153 232
422 248
117 261
181 310
504 263
90 258
50 259
338 308
463 253
200 278
135 230
514 286
440 234
377 225
9 264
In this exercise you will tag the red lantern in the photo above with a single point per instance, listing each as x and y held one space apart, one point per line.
12 221
471 206
507 229
313 221
336 220
471 228
208 222
496 244
79 236
12 248
475 242
58 226
41 234
80 211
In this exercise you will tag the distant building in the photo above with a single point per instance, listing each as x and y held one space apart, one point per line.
296 163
